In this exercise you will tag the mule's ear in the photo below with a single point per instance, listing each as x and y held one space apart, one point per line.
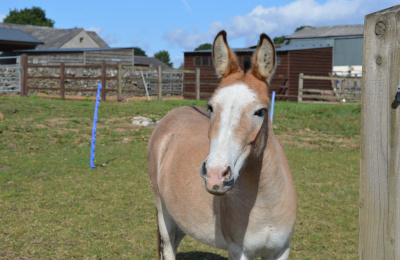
224 59
264 59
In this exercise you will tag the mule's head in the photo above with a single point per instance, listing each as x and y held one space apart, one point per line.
239 119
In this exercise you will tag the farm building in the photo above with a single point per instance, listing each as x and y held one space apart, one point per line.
89 56
291 61
346 40
54 38
14 39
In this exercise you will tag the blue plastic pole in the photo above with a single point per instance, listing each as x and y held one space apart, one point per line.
272 106
96 108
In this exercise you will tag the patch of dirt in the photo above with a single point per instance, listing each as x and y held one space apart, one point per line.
4 167
57 121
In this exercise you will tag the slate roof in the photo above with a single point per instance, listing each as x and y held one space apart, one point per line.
15 35
53 38
329 31
98 39
150 61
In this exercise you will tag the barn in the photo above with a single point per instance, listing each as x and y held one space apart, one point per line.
292 61
346 40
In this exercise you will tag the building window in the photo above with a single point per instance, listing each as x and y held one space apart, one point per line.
205 61
81 39
197 61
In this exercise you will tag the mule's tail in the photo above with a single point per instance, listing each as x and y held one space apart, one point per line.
160 244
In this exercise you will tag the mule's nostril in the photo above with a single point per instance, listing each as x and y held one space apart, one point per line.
215 187
227 172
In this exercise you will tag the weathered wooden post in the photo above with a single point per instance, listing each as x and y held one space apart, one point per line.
159 83
62 80
300 92
24 76
119 80
379 236
197 83
103 81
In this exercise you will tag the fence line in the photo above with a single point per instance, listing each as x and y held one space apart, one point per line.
26 86
341 93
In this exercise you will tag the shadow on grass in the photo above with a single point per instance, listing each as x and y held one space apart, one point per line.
199 256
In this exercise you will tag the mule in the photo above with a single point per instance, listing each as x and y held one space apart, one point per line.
220 175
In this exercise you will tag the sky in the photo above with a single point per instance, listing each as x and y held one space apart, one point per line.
182 25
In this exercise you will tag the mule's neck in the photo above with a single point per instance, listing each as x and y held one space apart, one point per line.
263 167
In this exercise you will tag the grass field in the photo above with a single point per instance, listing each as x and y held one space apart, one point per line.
53 206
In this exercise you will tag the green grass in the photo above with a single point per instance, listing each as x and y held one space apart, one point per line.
53 206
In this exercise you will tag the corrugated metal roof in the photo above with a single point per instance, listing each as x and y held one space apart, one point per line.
329 31
15 35
52 37
278 49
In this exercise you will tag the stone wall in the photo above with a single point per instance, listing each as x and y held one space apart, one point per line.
132 81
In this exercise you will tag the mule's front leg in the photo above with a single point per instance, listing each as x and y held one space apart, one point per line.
235 252
282 255
170 234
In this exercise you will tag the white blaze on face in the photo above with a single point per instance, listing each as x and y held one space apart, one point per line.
230 103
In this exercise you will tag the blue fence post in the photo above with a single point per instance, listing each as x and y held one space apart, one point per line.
96 108
272 106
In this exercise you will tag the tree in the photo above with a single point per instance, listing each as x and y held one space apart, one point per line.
139 52
204 46
301 28
279 40
164 57
29 16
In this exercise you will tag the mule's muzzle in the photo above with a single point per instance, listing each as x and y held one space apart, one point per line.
218 180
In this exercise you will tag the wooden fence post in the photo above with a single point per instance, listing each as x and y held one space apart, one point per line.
62 80
197 83
159 83
379 204
103 81
24 76
300 92
119 80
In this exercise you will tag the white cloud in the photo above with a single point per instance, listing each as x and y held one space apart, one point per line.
278 20
187 6
92 28
2 16
109 39
190 41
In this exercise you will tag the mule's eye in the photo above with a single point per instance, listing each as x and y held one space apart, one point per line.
261 112
210 108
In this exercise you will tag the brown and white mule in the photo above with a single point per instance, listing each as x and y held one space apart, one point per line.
248 205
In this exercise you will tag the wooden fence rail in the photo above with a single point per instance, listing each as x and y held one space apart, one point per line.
26 84
343 93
